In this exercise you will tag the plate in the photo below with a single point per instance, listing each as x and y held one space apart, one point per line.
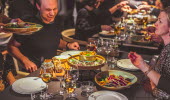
115 79
28 85
137 39
74 61
107 95
73 52
126 65
5 38
107 33
25 28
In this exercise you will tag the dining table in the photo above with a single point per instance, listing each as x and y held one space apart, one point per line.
134 92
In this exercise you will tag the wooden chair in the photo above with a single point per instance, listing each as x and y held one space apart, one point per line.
66 34
20 74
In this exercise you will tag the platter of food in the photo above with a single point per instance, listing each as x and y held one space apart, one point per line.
141 40
24 28
107 33
115 79
86 60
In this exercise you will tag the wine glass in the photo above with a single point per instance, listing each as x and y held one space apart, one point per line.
60 78
87 88
71 78
107 50
46 71
91 46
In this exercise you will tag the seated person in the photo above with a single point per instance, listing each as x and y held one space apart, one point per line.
159 74
87 23
31 49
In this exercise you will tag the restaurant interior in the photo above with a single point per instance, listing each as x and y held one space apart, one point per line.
84 49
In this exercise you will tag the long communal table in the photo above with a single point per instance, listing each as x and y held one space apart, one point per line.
135 92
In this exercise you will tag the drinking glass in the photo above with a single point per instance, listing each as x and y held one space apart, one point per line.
107 50
70 86
43 95
46 72
71 78
91 46
87 88
60 78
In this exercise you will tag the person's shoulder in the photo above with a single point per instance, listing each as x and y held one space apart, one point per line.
83 12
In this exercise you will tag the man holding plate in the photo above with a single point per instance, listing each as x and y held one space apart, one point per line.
30 49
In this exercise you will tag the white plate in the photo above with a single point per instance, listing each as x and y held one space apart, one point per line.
71 52
28 85
126 64
107 95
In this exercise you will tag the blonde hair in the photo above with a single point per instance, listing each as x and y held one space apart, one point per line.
167 11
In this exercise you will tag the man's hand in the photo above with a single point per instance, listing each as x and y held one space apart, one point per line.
73 45
29 65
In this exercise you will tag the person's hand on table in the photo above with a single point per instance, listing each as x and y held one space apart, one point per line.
29 65
74 46
106 27
138 61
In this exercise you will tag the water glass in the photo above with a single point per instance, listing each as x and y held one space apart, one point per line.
41 96
87 88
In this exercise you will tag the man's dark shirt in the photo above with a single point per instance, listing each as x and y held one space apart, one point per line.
43 43
86 24
22 9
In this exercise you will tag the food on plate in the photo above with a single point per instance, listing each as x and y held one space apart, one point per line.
98 61
151 29
19 25
88 56
114 81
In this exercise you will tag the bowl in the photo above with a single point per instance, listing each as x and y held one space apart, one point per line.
75 62
88 56
115 79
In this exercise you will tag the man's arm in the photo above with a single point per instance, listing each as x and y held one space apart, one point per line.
63 44
14 51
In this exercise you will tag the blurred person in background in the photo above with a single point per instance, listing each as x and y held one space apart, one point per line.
88 24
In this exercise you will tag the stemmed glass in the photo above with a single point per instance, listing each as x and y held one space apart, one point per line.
71 78
60 78
107 50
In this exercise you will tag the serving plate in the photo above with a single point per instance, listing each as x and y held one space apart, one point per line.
107 33
137 39
115 79
28 85
25 28
126 64
75 61
107 95
72 52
